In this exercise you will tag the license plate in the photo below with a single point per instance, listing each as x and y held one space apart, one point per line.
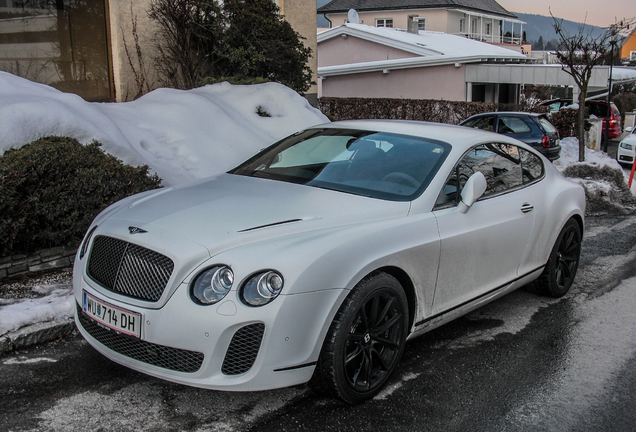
116 318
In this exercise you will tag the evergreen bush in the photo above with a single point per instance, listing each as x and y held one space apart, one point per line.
51 190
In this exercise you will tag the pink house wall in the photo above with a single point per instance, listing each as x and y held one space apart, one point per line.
338 51
435 82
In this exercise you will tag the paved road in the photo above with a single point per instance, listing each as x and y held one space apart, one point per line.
522 363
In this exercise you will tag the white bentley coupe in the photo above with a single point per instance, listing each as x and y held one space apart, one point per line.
318 258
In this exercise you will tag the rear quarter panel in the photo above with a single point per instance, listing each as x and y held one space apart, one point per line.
556 200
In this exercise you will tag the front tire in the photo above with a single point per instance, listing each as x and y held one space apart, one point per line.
558 275
365 341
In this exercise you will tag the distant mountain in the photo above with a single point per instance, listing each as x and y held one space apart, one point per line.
539 25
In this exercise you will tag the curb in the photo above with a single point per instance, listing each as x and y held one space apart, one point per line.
36 334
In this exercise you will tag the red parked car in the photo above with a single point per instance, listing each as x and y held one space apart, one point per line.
597 108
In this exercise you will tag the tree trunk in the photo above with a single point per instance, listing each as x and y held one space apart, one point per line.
582 96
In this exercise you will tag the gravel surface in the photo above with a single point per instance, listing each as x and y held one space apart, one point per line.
22 286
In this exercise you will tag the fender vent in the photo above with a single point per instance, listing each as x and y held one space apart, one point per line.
243 349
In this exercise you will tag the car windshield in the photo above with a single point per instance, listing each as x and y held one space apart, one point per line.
374 164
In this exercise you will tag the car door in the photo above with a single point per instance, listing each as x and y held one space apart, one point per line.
482 249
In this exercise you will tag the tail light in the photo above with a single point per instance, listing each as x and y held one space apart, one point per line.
545 142
613 122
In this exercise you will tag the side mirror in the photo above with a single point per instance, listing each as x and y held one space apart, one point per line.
473 190
628 129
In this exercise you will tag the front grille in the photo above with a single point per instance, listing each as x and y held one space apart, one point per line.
128 269
243 349
157 355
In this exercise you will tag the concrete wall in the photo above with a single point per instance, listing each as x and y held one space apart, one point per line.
122 15
301 14
438 82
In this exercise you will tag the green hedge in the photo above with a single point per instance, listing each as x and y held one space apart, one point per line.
432 110
51 189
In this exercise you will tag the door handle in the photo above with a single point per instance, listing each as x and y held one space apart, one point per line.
526 208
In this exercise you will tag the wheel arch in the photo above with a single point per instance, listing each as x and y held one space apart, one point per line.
579 221
407 285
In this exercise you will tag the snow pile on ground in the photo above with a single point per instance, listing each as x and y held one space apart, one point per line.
181 135
606 189
57 304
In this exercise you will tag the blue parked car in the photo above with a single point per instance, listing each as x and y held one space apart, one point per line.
531 128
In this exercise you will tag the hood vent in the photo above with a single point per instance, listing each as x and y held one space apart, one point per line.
269 225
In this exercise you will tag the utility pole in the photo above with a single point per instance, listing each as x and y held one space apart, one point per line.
609 91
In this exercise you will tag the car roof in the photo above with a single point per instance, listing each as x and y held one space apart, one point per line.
460 137
510 113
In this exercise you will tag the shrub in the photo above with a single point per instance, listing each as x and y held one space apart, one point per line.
625 102
235 80
606 191
51 189
433 110
566 121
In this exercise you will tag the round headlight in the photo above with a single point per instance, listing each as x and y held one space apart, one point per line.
212 285
262 288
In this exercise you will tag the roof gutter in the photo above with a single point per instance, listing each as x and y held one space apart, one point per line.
386 66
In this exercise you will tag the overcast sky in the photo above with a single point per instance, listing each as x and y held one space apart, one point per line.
599 12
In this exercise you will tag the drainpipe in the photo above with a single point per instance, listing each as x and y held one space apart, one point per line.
327 18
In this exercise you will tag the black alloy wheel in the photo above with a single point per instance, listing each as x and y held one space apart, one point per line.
558 276
365 341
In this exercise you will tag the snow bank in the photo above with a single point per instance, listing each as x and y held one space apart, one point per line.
602 177
181 135
570 156
57 304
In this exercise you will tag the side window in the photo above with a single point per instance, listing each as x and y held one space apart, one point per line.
512 125
501 164
532 167
485 123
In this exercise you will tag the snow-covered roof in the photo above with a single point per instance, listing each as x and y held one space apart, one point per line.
623 74
431 48
488 6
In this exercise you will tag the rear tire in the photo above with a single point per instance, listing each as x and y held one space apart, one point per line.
365 341
559 273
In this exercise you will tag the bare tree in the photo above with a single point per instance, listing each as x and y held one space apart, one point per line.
578 53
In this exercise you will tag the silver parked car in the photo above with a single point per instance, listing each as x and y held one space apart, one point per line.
318 258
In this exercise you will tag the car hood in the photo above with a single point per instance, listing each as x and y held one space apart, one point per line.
230 210
630 139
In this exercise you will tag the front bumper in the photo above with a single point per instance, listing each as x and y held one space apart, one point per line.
227 346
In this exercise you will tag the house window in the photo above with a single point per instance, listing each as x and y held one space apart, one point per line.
488 29
473 26
62 43
461 25
384 22
421 23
